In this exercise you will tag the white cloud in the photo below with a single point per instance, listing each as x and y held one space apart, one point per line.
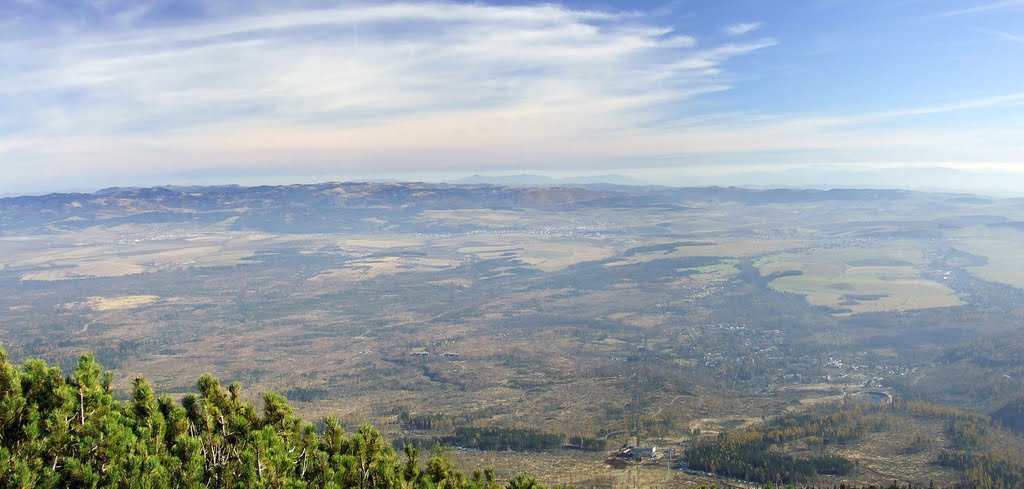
741 28
352 85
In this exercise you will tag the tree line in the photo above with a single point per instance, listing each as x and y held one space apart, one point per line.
748 454
505 439
984 470
473 430
751 453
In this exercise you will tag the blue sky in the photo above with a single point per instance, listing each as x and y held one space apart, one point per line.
114 92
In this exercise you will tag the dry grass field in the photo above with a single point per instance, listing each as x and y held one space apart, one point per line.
115 253
1003 251
367 268
118 303
725 248
859 279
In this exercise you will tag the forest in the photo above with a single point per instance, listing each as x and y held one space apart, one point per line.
984 470
758 453
748 454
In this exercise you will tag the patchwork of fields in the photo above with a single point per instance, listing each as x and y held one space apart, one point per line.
610 320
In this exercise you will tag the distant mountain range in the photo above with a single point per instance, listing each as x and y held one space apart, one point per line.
541 180
350 207
930 179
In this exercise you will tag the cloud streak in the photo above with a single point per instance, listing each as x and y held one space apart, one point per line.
741 28
985 8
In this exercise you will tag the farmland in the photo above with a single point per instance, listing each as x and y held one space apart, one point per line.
621 314
1000 249
858 280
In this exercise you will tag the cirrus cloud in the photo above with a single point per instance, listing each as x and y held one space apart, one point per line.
741 28
353 85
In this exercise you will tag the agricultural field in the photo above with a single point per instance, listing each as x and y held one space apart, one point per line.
612 317
857 279
129 250
999 250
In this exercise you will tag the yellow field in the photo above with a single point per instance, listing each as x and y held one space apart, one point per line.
380 242
487 216
731 248
127 250
1003 249
552 256
860 279
120 302
389 265
543 253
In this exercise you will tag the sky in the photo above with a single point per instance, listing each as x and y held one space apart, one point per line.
97 93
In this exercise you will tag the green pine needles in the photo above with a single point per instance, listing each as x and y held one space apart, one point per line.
58 431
